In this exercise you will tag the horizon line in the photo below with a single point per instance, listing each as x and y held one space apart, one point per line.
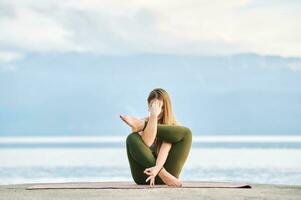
120 138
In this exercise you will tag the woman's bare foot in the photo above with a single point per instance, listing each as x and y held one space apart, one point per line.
135 123
169 179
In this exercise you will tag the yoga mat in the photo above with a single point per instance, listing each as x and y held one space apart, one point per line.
133 185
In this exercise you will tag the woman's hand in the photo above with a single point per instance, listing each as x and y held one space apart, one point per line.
155 107
152 172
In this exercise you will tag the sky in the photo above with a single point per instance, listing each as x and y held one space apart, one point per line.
70 67
212 27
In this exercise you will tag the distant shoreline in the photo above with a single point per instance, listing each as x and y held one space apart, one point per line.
118 138
246 141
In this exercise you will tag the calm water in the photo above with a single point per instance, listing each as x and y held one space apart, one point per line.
251 159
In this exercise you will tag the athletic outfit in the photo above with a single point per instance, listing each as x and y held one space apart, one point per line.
140 156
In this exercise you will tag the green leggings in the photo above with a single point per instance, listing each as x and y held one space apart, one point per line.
141 157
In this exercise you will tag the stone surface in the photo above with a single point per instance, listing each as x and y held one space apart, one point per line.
258 191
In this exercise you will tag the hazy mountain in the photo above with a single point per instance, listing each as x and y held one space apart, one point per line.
71 94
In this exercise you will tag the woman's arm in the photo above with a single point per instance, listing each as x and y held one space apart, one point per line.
145 118
159 170
150 131
149 134
163 153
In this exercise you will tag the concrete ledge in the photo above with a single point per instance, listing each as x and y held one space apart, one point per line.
258 191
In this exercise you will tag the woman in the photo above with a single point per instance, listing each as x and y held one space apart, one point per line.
158 144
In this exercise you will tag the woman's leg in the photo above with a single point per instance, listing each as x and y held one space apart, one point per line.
181 139
170 133
141 157
178 153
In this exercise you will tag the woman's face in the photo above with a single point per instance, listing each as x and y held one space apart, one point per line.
161 101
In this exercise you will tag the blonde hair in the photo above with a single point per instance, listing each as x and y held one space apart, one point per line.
168 116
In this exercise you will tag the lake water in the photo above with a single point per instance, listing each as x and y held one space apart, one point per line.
250 159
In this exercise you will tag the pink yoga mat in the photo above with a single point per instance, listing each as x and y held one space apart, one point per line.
133 185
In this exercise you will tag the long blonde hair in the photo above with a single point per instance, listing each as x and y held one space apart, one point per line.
168 116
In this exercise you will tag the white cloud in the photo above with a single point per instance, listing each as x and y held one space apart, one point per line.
158 26
33 31
6 56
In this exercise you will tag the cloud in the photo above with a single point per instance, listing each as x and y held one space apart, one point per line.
34 31
200 27
6 56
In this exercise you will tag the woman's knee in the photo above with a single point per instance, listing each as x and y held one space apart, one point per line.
171 133
131 138
188 132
